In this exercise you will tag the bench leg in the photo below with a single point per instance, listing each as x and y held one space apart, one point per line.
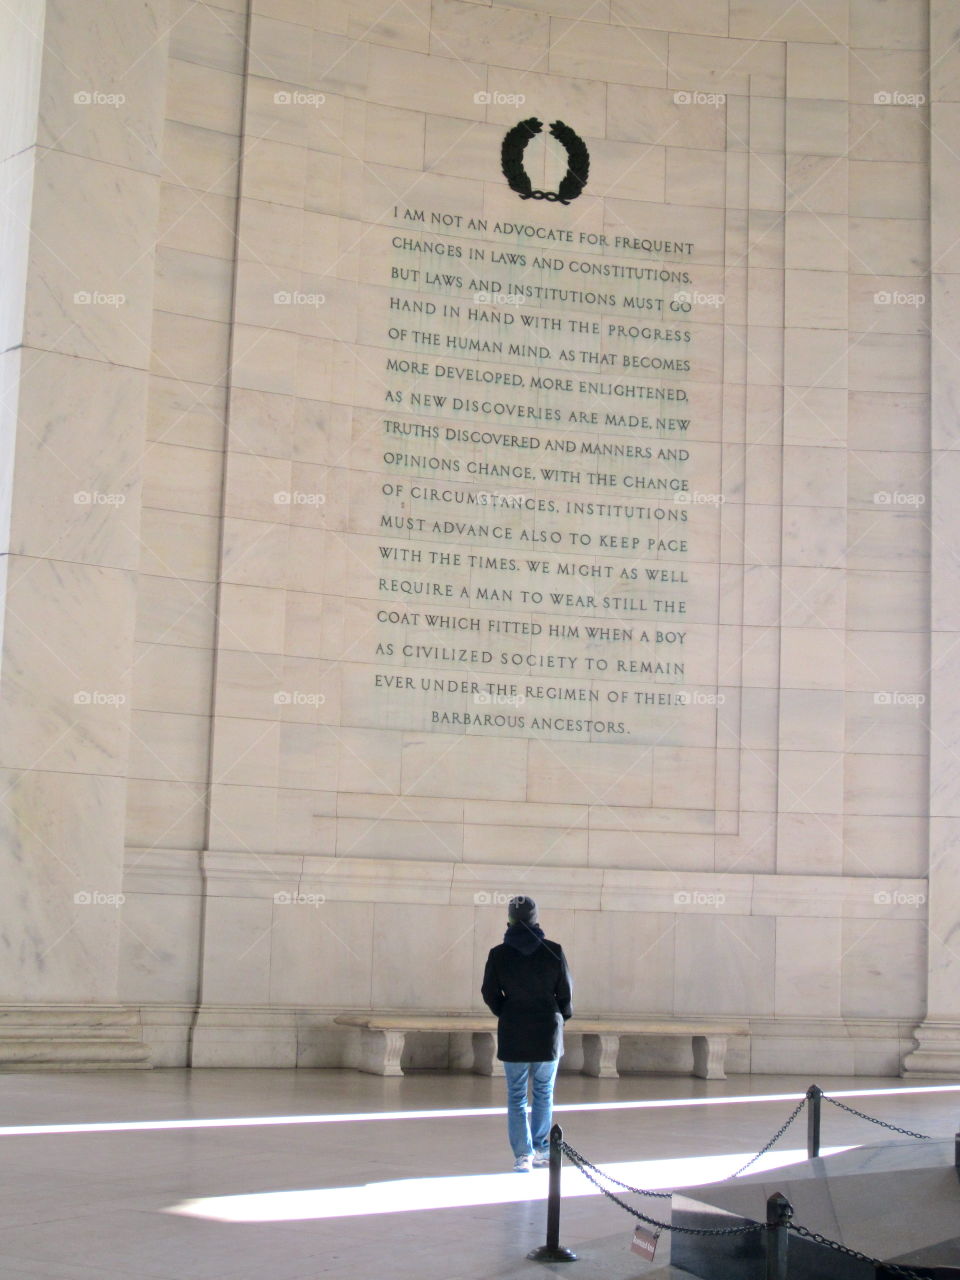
572 1059
381 1051
461 1055
485 1060
600 1056
709 1056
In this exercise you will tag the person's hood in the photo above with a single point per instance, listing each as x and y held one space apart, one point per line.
524 937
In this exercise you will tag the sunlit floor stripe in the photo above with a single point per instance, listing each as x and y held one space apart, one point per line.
354 1117
410 1195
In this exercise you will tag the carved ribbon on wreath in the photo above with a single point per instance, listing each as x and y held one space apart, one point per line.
578 161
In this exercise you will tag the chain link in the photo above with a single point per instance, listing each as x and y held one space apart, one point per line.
747 1229
893 1267
873 1119
581 1161
776 1137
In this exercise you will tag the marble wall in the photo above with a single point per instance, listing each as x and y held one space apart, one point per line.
266 837
80 184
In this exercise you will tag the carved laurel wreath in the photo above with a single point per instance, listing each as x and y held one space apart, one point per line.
578 161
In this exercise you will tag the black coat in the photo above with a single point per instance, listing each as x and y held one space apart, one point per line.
530 994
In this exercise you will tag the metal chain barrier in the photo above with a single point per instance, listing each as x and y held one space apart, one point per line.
592 1173
576 1159
776 1137
873 1120
748 1228
583 1164
893 1268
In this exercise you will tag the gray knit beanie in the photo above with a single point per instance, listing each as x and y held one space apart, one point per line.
522 910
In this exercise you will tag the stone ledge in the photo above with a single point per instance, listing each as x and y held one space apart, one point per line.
240 874
309 1037
627 1025
71 1038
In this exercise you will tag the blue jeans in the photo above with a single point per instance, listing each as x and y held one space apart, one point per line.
527 1136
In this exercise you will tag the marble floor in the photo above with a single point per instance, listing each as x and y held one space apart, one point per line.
297 1175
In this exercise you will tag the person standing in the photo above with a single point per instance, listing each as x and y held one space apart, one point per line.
527 985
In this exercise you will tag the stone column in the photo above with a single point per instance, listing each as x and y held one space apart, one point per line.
938 1036
813 482
77 229
807 493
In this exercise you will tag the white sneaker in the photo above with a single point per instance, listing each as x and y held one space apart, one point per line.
521 1164
541 1158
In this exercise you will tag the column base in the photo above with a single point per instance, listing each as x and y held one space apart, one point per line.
64 1037
937 1053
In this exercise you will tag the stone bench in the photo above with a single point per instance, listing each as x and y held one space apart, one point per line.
601 1042
473 1041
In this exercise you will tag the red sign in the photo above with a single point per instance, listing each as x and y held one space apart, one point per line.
645 1242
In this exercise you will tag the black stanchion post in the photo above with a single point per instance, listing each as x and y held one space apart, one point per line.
779 1213
553 1250
814 1094
956 1153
